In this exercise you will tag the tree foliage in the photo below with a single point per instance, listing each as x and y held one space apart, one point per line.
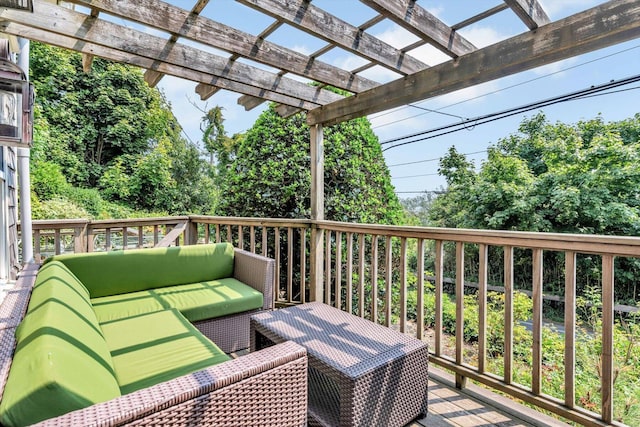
582 178
107 129
269 173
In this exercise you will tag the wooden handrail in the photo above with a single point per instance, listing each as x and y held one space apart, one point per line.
364 264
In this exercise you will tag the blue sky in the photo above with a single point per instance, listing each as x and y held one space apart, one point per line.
615 63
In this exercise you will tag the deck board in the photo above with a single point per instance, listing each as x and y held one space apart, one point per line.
449 406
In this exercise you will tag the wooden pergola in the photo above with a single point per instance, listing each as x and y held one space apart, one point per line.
89 27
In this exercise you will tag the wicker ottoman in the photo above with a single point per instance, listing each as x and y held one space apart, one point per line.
360 373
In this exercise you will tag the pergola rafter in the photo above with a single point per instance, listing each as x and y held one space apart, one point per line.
94 33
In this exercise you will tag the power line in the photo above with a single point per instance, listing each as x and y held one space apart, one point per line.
487 118
492 92
415 176
434 159
422 192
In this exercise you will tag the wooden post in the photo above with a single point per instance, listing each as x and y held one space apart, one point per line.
316 284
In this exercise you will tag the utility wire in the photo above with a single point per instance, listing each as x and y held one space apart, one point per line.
434 159
489 93
415 176
487 118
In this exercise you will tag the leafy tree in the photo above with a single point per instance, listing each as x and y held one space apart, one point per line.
108 130
582 178
269 173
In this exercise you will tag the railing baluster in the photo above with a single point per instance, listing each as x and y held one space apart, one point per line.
155 235
439 267
107 239
460 380
36 246
240 237
303 265
56 241
338 284
508 314
252 239
218 234
289 264
420 291
388 281
536 373
361 270
570 329
264 241
327 267
276 240
207 233
125 238
140 237
374 278
349 280
483 251
229 234
607 337
403 284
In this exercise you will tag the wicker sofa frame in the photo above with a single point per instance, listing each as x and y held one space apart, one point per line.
268 387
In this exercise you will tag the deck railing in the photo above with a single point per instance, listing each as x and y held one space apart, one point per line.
383 272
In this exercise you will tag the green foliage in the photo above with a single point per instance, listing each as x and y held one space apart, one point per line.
57 208
269 174
47 179
107 129
561 178
581 178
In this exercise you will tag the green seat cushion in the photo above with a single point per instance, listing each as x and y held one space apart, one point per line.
116 307
118 272
156 347
196 301
61 362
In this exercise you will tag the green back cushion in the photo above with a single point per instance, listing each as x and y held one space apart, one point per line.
117 272
196 301
157 347
61 362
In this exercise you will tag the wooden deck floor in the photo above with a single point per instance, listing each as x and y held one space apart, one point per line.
475 407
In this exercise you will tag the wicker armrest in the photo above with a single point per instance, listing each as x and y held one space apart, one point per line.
256 271
16 300
267 388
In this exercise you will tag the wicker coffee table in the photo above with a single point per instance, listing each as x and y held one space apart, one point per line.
360 373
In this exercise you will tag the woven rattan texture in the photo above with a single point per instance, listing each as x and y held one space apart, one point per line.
230 333
269 386
14 305
361 374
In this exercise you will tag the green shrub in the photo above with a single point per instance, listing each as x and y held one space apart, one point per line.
47 180
58 208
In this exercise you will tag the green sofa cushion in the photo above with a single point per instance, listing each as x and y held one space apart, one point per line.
157 347
61 362
196 301
115 307
118 272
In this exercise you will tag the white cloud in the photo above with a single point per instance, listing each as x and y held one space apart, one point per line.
305 50
482 36
557 9
556 69
396 36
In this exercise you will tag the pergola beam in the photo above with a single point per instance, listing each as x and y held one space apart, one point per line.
309 18
605 25
530 12
85 29
166 17
59 40
414 18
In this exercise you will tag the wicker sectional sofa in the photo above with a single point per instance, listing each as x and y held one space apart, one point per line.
141 337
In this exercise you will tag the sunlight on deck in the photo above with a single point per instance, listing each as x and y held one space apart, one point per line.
451 407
